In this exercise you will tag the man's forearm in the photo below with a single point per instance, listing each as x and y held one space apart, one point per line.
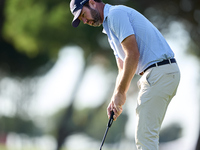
132 55
127 69
126 75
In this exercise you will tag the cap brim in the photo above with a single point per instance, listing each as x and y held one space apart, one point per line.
76 21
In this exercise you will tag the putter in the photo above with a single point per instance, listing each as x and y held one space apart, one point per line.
108 126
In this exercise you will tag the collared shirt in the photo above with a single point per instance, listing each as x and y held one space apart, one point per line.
122 21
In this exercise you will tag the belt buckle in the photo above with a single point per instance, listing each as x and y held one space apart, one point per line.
142 73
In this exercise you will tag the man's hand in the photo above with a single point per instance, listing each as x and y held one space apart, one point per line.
116 104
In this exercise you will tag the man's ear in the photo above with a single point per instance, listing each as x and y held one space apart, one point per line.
92 3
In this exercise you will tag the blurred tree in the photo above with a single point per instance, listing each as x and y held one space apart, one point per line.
40 28
162 13
37 29
13 63
17 92
91 121
170 133
19 125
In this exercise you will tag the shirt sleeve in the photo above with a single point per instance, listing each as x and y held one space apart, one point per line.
119 23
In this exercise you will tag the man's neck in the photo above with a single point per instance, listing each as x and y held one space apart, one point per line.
101 10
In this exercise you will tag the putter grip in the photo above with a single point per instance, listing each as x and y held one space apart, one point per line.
111 119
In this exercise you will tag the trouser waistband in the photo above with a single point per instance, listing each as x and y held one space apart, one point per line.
164 62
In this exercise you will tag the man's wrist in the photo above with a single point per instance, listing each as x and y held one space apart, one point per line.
119 97
120 90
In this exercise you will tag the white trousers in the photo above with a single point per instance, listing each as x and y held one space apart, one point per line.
158 85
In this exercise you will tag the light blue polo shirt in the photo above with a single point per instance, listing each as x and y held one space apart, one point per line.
121 21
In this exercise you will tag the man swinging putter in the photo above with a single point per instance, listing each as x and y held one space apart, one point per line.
140 49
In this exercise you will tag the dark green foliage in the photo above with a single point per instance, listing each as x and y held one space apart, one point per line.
19 125
170 133
39 28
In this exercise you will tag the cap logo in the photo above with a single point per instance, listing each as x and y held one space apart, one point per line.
74 7
83 2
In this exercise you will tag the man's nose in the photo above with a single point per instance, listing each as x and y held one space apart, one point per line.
84 20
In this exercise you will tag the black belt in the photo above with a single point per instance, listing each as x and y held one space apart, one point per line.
164 62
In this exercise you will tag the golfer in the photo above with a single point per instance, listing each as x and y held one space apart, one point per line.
140 49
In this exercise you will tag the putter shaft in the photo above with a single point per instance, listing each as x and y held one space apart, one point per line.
104 138
108 126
